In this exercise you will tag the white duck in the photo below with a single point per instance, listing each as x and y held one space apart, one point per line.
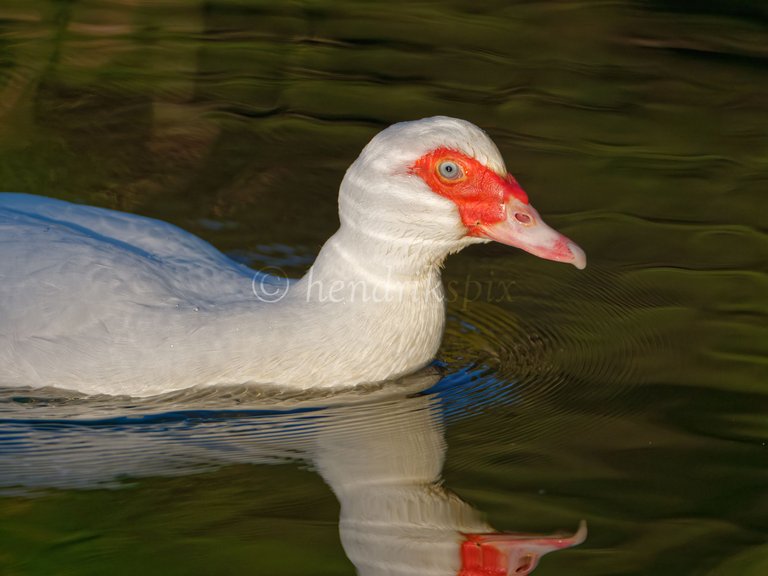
106 302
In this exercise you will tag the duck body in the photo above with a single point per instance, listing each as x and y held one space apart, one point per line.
99 301
97 297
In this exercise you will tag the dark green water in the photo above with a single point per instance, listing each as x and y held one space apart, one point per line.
633 394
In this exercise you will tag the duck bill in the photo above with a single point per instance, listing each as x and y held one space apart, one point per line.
524 229
511 554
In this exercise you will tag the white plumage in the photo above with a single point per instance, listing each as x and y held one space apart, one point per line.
100 301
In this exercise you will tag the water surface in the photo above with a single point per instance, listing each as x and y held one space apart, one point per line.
632 394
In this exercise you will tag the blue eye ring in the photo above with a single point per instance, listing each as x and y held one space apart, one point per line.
450 170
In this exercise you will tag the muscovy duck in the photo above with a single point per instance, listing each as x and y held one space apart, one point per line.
104 302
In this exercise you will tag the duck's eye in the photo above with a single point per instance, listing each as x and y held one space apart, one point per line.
449 170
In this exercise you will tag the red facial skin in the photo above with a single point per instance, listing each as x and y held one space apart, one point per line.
480 193
492 206
479 560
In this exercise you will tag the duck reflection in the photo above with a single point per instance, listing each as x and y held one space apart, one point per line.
384 461
380 452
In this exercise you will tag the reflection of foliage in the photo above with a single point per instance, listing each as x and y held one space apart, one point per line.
150 104
125 530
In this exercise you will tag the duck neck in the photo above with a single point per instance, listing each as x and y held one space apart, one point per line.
352 262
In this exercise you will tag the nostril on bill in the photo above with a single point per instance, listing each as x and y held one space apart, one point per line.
522 218
525 566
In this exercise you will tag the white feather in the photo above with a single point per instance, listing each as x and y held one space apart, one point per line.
104 302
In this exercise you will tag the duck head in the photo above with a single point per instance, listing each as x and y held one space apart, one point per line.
439 184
